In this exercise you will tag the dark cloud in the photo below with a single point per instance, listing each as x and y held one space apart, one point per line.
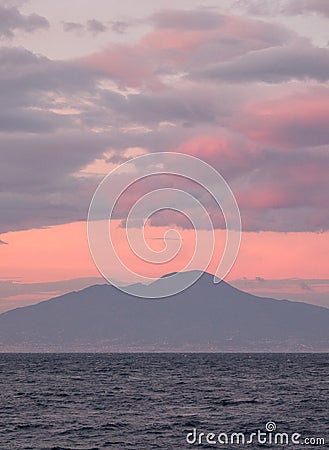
22 71
32 121
30 87
37 177
12 20
92 26
73 27
38 173
273 65
3 242
176 106
119 26
95 26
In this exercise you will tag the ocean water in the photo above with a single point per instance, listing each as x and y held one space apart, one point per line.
162 401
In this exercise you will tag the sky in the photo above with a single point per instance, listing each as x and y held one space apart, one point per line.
87 85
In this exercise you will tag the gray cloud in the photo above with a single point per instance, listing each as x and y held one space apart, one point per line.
92 26
22 70
119 26
273 65
30 86
95 26
73 27
38 186
220 37
32 121
147 63
195 19
12 20
302 6
259 7
284 7
3 242
186 107
57 117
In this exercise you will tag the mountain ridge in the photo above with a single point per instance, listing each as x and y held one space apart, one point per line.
205 317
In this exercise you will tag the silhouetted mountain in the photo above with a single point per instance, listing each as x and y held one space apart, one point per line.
204 317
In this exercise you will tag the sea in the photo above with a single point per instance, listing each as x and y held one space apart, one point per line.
164 401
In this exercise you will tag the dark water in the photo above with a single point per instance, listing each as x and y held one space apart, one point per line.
151 401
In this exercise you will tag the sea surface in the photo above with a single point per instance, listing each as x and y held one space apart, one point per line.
157 401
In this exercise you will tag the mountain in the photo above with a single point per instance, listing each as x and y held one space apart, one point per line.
204 317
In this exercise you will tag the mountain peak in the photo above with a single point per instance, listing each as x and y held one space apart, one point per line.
204 317
166 275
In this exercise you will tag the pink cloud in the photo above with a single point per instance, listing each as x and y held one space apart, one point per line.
294 121
174 48
227 153
266 197
128 65
210 146
275 189
171 39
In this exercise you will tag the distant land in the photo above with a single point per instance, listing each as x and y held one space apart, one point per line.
206 317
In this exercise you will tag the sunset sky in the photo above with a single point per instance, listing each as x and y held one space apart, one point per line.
86 85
